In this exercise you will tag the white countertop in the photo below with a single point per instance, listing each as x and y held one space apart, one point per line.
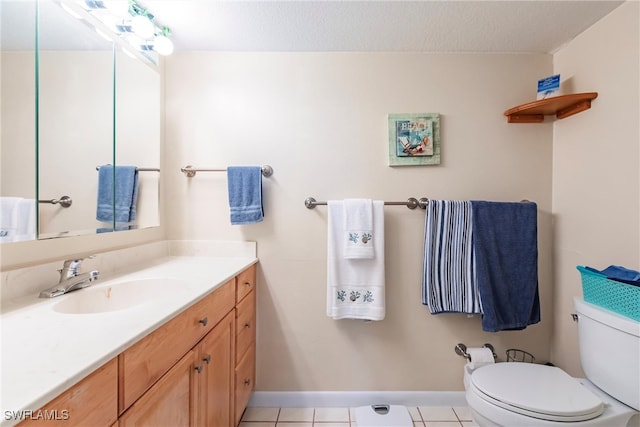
44 352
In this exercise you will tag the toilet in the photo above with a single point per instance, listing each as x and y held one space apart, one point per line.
527 394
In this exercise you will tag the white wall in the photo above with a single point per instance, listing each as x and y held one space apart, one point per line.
320 119
596 163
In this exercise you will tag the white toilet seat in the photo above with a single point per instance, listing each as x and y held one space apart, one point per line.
538 391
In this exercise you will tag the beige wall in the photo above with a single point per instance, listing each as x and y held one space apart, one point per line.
17 125
320 120
75 103
596 163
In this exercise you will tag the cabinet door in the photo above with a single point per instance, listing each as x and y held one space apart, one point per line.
245 380
170 402
91 402
216 380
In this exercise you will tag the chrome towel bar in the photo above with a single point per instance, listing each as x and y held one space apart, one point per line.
190 171
411 203
64 201
139 169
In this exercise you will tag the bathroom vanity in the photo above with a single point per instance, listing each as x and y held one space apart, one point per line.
185 356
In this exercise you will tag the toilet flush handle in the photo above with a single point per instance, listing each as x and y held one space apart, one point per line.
574 317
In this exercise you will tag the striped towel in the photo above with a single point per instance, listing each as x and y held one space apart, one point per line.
449 280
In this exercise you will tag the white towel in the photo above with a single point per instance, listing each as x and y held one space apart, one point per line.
355 287
8 224
17 219
25 218
358 229
449 277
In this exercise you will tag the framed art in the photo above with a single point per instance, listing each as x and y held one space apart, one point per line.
414 139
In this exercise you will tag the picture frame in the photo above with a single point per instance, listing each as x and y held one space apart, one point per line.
414 139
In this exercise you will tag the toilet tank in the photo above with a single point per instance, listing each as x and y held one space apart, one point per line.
610 351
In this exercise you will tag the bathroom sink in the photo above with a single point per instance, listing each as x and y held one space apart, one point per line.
118 296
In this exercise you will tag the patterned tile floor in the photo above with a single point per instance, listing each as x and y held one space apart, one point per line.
422 416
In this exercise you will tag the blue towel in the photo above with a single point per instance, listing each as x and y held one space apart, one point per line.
619 274
448 281
125 192
506 252
245 194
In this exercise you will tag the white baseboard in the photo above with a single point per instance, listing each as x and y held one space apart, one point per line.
320 399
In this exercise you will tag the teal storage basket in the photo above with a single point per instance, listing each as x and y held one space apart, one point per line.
618 297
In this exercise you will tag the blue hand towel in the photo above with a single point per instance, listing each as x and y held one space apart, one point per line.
245 194
125 192
506 253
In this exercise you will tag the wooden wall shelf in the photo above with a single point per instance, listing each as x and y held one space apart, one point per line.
560 106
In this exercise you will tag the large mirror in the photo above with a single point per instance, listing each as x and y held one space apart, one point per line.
85 106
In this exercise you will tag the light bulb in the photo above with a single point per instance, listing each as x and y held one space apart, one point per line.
142 26
163 45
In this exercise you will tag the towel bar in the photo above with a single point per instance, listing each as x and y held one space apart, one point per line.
64 201
190 171
138 169
411 203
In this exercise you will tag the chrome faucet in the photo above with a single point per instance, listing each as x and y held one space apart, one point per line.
70 279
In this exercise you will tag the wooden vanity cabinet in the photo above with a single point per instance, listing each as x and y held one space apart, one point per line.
198 369
222 368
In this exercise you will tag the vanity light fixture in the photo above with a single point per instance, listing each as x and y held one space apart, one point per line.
128 21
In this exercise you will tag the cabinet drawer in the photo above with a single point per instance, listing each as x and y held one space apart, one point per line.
91 402
245 282
245 324
245 380
145 362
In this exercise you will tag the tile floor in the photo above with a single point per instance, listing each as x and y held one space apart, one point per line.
423 416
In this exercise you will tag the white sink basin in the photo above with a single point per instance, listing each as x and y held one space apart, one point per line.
117 296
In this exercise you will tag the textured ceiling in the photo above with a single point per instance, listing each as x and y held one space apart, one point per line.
516 26
538 26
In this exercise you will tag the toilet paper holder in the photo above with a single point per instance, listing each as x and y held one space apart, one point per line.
461 350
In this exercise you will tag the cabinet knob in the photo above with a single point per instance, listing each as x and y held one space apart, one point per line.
204 321
198 368
207 359
247 381
247 325
247 283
